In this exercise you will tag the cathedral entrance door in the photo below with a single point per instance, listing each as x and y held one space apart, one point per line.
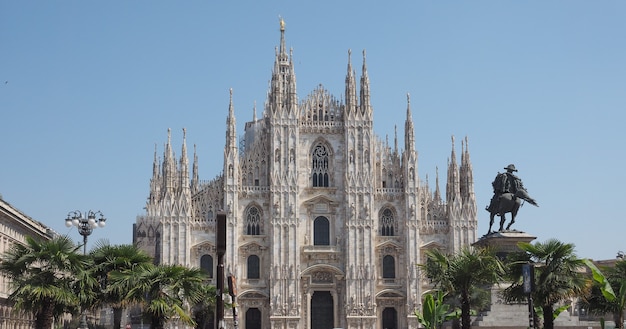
390 318
253 319
322 310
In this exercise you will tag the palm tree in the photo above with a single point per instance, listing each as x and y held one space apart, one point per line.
608 294
164 290
558 276
108 258
43 277
204 311
459 274
87 289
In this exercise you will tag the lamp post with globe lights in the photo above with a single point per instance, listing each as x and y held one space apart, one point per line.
85 225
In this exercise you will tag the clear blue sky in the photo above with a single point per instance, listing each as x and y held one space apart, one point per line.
89 87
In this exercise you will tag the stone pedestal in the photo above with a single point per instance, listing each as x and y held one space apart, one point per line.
504 242
503 314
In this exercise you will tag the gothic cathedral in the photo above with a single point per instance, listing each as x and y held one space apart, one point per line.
326 222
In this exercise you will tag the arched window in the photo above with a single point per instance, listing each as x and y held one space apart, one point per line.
253 221
254 271
321 231
387 223
320 166
389 267
206 263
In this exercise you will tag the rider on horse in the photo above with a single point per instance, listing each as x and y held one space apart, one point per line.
508 183
508 192
503 183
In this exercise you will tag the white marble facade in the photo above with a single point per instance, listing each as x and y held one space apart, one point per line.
326 221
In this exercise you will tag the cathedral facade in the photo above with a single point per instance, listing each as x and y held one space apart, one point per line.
326 222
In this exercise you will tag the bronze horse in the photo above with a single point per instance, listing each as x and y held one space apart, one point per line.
509 203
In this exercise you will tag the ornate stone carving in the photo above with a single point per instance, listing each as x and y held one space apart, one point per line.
321 277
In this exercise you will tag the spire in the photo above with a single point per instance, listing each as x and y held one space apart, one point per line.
254 112
155 182
282 39
351 101
231 108
231 150
365 90
184 149
169 164
292 101
409 130
395 139
453 152
462 177
437 190
282 96
184 164
155 164
195 181
231 126
452 186
168 146
467 175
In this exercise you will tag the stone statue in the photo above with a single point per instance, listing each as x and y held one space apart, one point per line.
508 191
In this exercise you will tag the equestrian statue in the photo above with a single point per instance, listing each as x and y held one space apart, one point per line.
508 193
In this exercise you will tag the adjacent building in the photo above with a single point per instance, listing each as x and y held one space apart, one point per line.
326 222
15 226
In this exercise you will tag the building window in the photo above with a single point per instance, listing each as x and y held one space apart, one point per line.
206 263
387 223
321 231
254 271
389 267
253 221
320 166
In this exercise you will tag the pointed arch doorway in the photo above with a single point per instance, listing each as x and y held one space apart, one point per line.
390 318
322 310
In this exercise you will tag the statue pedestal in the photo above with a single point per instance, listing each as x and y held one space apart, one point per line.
503 314
504 242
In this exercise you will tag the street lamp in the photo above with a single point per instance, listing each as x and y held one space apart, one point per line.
85 226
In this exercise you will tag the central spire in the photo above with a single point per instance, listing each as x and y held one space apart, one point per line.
283 50
282 98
